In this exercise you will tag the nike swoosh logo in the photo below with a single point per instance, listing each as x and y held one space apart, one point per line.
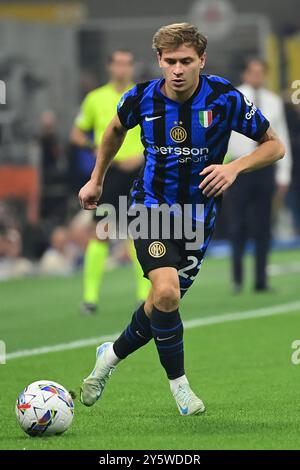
139 334
147 118
165 339
184 411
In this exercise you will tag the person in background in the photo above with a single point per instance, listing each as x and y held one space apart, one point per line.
97 110
60 257
252 193
12 262
53 170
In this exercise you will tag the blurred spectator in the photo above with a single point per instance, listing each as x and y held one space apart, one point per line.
60 258
13 215
81 229
53 167
252 193
12 264
51 148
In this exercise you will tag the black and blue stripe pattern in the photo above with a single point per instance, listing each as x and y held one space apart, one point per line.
137 334
181 139
167 330
172 165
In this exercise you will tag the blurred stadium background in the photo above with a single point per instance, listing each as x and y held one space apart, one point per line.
52 54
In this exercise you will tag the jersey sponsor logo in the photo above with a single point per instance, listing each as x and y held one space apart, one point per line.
205 118
185 154
151 118
157 249
178 134
253 109
251 113
247 101
193 159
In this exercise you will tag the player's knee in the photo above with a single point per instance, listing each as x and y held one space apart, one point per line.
167 297
148 305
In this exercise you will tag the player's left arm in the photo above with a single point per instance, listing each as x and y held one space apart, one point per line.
218 178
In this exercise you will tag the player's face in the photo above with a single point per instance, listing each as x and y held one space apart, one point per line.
254 75
121 68
181 67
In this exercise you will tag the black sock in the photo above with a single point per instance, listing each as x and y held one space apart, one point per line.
167 332
137 334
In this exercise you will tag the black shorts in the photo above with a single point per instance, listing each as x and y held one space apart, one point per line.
154 253
117 183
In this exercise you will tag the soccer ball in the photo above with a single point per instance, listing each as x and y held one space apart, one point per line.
44 408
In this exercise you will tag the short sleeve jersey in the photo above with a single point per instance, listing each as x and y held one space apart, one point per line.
180 139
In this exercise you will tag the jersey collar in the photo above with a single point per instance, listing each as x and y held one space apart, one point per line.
189 101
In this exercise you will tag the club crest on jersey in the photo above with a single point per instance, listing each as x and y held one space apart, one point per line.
205 118
157 249
178 134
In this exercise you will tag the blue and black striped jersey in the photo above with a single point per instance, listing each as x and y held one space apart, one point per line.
180 139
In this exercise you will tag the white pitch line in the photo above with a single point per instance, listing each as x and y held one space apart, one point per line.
279 270
244 315
189 324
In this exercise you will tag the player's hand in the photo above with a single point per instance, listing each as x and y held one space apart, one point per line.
89 195
217 179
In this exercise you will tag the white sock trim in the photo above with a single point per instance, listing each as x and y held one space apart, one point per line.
111 358
176 382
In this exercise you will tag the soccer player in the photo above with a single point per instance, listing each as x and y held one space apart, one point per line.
97 110
186 119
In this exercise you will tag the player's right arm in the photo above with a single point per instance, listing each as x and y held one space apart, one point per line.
112 140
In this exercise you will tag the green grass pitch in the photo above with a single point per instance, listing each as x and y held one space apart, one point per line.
241 369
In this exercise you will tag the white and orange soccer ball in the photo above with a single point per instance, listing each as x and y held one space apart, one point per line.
44 408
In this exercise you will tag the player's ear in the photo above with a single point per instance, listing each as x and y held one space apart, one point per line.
159 59
202 60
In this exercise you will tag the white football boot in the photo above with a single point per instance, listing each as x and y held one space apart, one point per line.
187 402
93 386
